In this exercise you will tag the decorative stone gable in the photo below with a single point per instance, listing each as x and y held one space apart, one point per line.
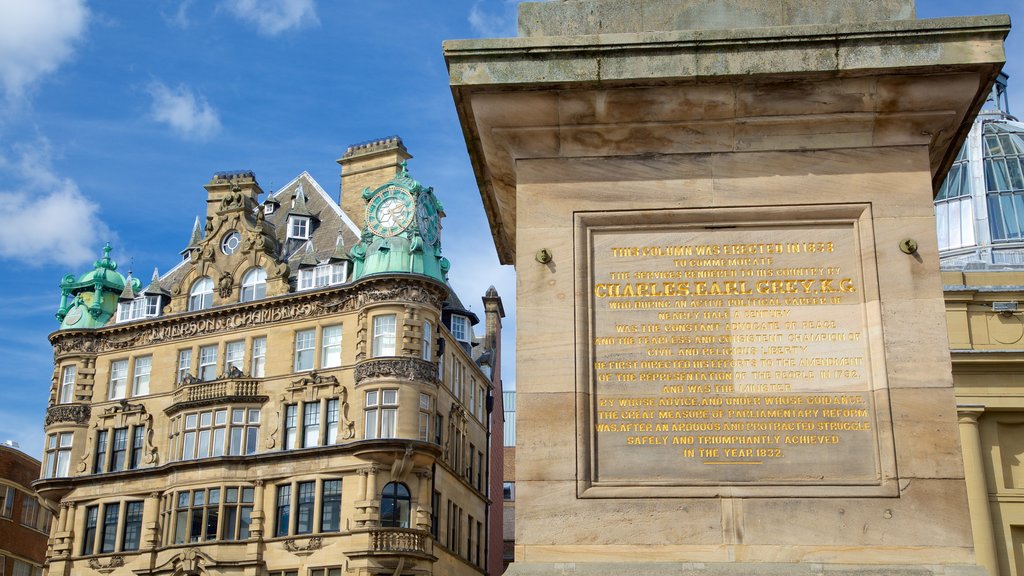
236 240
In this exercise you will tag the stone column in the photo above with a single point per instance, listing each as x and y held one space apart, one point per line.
257 517
977 488
151 521
423 504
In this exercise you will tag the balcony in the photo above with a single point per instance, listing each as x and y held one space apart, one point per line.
394 542
223 390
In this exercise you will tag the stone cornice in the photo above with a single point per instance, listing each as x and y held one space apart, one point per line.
299 306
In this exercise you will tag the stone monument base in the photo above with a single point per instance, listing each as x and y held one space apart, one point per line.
735 569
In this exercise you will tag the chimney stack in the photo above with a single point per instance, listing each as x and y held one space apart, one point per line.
368 165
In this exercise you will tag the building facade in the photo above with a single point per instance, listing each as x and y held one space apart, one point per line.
24 522
980 222
299 396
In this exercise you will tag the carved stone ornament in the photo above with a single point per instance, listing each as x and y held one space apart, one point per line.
314 379
125 407
225 284
191 561
301 306
401 368
114 563
72 413
311 546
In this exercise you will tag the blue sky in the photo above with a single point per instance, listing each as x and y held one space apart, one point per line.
114 114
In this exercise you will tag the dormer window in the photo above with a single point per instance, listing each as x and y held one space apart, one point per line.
460 328
268 208
298 227
139 308
323 275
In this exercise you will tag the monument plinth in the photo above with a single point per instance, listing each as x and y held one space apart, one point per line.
732 352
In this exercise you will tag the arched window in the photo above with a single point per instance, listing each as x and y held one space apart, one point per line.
394 506
254 285
200 297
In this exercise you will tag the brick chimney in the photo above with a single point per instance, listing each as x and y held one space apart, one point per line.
368 165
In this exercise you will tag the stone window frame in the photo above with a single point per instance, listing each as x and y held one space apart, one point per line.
238 511
131 378
66 387
138 377
248 426
295 423
304 358
209 367
117 529
381 335
399 515
112 382
104 450
200 294
254 285
317 350
428 344
55 448
234 362
258 363
286 511
378 407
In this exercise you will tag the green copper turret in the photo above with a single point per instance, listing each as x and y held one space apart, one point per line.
90 300
401 231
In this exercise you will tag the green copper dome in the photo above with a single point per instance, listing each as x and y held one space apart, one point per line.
90 300
401 231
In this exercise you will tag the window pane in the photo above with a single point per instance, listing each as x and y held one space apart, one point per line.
384 335
118 379
331 344
140 381
259 357
304 341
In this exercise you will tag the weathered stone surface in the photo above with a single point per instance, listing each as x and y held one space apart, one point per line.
579 17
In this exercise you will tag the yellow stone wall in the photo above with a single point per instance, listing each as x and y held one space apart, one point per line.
987 348
363 465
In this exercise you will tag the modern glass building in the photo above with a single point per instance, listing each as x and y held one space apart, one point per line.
980 206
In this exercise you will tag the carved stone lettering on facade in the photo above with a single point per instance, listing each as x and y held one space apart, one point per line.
301 307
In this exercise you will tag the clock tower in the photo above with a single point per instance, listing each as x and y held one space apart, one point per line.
401 230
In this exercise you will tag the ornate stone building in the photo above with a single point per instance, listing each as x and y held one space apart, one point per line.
298 396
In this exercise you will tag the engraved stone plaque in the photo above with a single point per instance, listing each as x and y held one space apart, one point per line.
731 351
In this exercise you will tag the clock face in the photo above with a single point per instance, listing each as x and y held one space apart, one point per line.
74 315
229 245
389 212
426 219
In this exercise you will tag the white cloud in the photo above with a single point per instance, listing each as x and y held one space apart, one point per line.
48 219
180 17
36 37
499 23
188 114
272 17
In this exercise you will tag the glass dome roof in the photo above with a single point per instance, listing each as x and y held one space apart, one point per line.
979 207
